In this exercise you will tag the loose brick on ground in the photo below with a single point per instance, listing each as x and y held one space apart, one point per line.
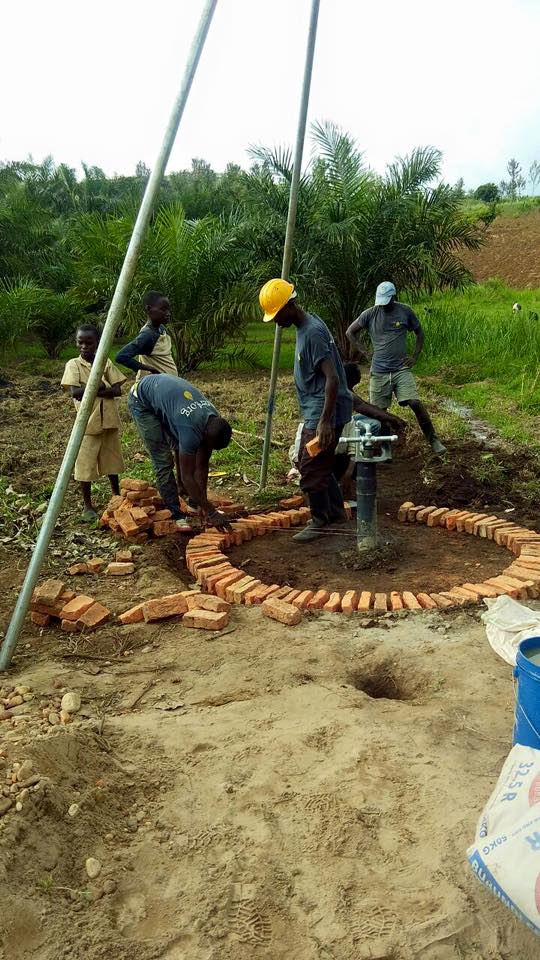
133 615
127 483
75 608
120 569
380 604
77 569
48 592
442 602
40 619
283 612
205 619
302 600
69 626
92 618
123 556
236 592
426 602
160 515
364 602
318 600
333 605
403 511
396 601
210 581
256 596
350 602
292 503
436 518
126 522
115 503
410 602
171 605
202 601
96 564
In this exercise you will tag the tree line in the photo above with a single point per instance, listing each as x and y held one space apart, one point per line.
215 238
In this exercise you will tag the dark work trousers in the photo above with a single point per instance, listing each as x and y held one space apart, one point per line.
317 479
158 445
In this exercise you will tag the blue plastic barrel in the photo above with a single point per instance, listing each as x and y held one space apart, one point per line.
527 713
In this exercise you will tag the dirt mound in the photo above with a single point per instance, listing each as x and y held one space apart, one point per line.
511 253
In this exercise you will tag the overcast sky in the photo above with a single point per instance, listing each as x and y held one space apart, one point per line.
95 81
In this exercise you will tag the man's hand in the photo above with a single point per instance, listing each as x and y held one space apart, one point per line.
326 433
215 518
410 361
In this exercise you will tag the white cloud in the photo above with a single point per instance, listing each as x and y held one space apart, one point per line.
95 82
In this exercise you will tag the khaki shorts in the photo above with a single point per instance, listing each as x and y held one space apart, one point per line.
100 456
383 386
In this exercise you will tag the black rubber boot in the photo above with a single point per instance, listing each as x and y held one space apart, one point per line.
337 510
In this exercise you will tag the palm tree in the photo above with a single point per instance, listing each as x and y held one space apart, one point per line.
194 262
356 228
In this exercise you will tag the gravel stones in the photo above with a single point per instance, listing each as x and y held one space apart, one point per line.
93 868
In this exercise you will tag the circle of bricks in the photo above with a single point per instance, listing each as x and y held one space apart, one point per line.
207 560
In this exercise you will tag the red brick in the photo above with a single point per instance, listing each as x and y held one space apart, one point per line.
302 600
211 580
77 569
471 522
364 603
283 592
443 602
255 597
48 592
531 549
481 524
236 592
410 602
220 588
516 544
458 599
529 563
202 601
96 564
123 556
205 619
470 590
380 604
333 605
533 571
93 617
460 526
206 574
115 503
492 527
396 603
306 514
288 597
350 602
133 615
412 511
283 612
120 569
470 596
240 533
162 528
452 517
69 626
296 518
422 515
482 589
403 511
426 601
172 605
126 522
531 582
511 589
502 533
292 503
161 515
318 600
200 561
436 518
75 608
127 483
40 619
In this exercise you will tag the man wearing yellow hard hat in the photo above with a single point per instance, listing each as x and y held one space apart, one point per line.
325 402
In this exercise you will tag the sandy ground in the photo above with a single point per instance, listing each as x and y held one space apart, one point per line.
273 793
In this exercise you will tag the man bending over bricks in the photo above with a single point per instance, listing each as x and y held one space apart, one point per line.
325 403
167 407
388 324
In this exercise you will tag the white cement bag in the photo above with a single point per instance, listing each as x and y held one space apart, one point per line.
507 624
506 852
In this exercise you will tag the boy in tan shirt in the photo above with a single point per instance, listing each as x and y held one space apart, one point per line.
101 451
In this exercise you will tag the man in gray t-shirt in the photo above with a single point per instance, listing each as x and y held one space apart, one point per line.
324 399
388 324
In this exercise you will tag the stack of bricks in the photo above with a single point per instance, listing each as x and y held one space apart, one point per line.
137 512
52 604
195 609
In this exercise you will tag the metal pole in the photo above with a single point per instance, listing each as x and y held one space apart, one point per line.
291 225
113 319
366 505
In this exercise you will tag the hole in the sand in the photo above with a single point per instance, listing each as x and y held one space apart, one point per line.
385 681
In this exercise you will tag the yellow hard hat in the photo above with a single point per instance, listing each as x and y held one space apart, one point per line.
274 295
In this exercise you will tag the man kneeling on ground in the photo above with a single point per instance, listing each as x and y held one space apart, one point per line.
164 407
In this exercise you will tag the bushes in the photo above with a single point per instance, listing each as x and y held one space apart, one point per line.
27 308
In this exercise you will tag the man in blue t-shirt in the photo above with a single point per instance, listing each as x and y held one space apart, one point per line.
169 411
325 403
388 323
